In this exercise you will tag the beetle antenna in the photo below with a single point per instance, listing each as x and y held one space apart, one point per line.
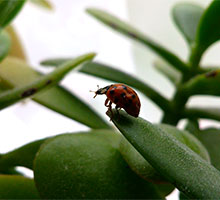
95 91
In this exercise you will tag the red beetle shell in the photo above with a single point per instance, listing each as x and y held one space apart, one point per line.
123 96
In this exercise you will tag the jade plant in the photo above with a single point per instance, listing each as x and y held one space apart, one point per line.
127 157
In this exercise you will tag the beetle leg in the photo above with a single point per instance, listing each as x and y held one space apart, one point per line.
110 106
109 109
106 102
117 108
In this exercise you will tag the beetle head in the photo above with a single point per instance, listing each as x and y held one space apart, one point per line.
100 91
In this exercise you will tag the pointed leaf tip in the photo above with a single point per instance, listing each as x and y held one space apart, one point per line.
14 95
180 165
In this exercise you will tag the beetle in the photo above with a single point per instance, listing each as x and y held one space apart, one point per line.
121 95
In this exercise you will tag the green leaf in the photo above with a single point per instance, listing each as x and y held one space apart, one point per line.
192 126
134 34
54 62
8 10
186 17
23 156
87 166
209 28
173 75
180 165
112 74
207 84
15 73
138 164
206 113
17 187
11 171
208 32
12 96
182 196
16 49
188 139
43 4
5 43
68 104
211 139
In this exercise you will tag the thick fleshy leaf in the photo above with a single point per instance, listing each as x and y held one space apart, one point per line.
173 75
68 104
16 49
179 164
87 166
14 95
17 187
208 32
206 113
43 4
209 27
134 34
182 196
5 43
187 17
207 84
192 125
15 73
54 62
8 10
11 171
137 162
211 139
23 156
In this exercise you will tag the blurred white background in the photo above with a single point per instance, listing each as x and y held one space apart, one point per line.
68 31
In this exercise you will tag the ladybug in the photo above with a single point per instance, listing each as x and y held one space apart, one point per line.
121 95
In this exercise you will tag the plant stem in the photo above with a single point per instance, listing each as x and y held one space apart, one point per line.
195 58
180 97
177 107
208 113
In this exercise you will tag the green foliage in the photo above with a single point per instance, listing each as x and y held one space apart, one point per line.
174 163
12 96
23 156
86 166
136 160
207 32
5 45
16 73
17 187
138 163
187 16
211 139
208 27
8 10
42 3
172 74
134 34
16 49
